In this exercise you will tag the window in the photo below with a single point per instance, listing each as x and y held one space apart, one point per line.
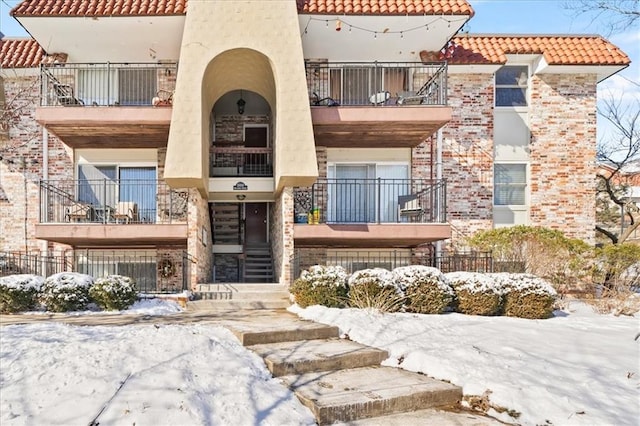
511 86
108 185
509 183
366 193
104 85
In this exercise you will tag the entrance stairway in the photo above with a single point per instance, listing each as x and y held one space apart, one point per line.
226 223
258 264
340 380
227 296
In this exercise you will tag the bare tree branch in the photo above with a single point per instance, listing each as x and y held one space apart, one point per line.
615 15
615 154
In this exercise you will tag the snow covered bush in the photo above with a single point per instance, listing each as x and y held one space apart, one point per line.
375 288
19 292
114 293
66 291
525 295
425 289
321 285
475 293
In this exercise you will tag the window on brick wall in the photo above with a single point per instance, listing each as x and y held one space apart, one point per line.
511 86
509 184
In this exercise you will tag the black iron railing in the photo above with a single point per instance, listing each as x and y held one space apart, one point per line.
111 201
107 84
371 201
356 260
376 83
168 272
240 161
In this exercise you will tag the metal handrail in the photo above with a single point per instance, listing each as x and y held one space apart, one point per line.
376 83
372 201
105 84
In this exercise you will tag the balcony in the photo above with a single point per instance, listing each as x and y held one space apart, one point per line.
385 104
370 213
107 104
231 161
112 212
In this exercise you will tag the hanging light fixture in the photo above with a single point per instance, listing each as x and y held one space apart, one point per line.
241 103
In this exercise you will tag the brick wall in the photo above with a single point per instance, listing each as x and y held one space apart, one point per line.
563 142
281 235
21 166
467 155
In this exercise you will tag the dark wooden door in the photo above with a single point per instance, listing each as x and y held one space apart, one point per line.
255 223
255 137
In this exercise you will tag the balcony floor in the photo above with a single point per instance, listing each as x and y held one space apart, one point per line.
377 127
108 127
99 235
385 235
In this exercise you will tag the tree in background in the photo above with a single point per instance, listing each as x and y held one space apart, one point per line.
616 15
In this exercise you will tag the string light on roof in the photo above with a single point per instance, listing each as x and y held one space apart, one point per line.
339 22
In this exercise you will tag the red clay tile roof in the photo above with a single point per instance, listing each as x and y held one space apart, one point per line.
557 50
100 8
179 7
20 53
385 7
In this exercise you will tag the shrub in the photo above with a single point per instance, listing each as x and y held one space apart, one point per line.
539 251
321 285
374 288
66 291
425 289
19 292
617 266
526 296
475 293
114 292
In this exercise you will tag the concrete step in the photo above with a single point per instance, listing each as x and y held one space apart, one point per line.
347 395
290 330
234 304
241 287
305 356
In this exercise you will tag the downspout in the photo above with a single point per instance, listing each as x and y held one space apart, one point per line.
45 176
438 179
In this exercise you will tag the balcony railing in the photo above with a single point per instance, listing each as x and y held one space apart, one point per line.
132 201
152 273
371 201
240 161
112 84
356 260
376 83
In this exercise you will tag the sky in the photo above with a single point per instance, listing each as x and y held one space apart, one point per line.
577 368
513 17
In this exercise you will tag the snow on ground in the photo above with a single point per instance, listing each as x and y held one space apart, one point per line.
57 374
140 307
578 368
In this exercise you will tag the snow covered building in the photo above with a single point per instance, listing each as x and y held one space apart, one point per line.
191 142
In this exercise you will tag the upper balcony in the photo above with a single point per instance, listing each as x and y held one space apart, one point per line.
370 213
376 104
106 212
107 104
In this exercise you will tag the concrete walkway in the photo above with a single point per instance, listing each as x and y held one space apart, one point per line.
341 381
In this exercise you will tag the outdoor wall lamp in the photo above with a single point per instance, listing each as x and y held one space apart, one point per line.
241 197
241 103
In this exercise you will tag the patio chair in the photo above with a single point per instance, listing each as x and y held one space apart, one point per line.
425 95
126 211
64 93
409 208
78 212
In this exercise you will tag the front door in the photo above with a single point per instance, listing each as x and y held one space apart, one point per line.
255 223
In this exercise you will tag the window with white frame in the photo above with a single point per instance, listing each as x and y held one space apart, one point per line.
366 192
509 184
511 86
